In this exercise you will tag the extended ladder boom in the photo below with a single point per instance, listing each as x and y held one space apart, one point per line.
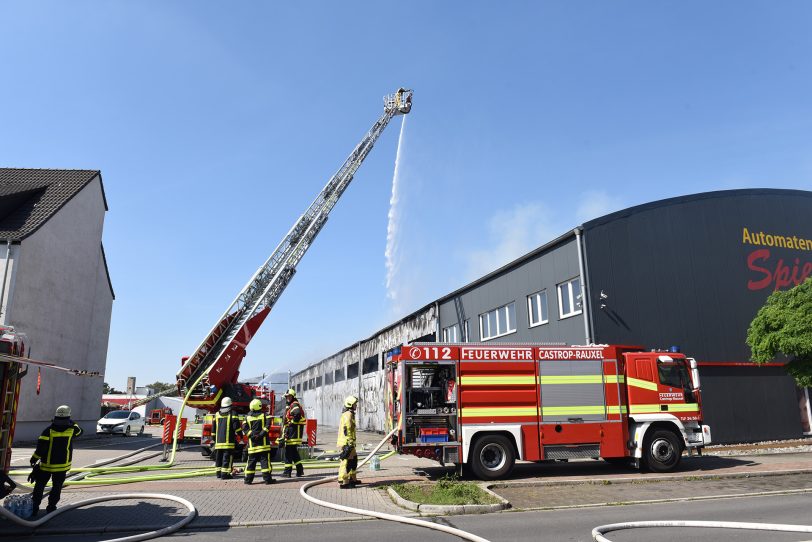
216 360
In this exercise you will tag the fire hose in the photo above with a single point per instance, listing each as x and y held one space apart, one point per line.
381 515
598 532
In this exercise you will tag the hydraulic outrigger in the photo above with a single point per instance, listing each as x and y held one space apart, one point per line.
213 369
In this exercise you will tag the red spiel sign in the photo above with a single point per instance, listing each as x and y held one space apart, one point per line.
769 271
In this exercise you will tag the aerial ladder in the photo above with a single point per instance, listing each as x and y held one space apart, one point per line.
211 372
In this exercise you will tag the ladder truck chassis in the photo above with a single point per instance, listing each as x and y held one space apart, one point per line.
485 406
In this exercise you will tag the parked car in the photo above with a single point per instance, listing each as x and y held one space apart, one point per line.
124 422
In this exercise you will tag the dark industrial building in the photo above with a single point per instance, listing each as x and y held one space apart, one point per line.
690 271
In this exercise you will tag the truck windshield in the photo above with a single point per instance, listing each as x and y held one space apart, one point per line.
674 374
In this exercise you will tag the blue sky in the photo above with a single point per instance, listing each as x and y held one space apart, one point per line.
215 124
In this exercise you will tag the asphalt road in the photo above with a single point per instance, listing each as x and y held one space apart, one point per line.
538 526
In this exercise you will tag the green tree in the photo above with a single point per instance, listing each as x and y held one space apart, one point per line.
784 326
158 387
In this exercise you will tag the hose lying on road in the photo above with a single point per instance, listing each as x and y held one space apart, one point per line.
390 517
133 538
598 532
88 471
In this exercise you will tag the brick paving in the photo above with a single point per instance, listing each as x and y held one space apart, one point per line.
229 503
225 503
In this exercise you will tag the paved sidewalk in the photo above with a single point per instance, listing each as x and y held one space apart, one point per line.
225 503
229 503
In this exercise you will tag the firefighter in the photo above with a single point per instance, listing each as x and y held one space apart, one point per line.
346 442
52 458
226 427
255 428
293 424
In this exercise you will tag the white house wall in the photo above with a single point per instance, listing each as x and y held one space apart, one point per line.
325 403
62 301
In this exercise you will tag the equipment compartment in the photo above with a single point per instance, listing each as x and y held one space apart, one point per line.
430 406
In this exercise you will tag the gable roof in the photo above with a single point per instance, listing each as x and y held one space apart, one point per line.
29 197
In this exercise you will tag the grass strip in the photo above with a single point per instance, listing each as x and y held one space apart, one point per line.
446 491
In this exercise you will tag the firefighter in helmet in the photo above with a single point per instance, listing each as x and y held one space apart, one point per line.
256 427
346 443
52 458
225 428
293 425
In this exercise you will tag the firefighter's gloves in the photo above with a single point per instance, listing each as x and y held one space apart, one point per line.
32 476
280 442
345 452
33 461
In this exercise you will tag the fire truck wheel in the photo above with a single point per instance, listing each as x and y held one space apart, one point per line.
662 451
492 457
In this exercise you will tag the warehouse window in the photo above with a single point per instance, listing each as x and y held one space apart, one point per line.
371 364
451 334
318 381
298 388
498 322
339 374
537 308
304 385
352 370
328 378
569 298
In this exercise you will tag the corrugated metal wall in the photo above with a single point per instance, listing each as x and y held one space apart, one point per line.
680 272
325 402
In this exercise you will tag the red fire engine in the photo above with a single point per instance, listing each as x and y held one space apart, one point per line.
212 371
12 348
485 406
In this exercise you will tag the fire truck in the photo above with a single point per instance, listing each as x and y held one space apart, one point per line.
212 371
12 349
483 406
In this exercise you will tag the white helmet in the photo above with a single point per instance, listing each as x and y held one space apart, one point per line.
63 411
226 402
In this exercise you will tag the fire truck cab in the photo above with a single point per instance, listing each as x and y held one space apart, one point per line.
486 406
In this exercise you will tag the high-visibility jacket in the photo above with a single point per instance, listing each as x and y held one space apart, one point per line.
225 428
294 423
256 428
55 446
346 429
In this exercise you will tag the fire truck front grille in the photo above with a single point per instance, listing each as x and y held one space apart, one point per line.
572 452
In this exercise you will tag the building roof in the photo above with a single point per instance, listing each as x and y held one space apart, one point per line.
30 197
738 192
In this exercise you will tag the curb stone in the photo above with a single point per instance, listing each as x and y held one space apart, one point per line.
450 509
680 478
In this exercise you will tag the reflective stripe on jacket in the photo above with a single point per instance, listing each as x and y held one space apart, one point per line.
294 421
225 430
55 446
256 429
346 429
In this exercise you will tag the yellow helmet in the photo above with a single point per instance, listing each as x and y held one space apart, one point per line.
255 404
291 392
350 401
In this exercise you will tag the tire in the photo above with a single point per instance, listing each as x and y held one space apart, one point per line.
662 451
492 457
126 432
141 431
